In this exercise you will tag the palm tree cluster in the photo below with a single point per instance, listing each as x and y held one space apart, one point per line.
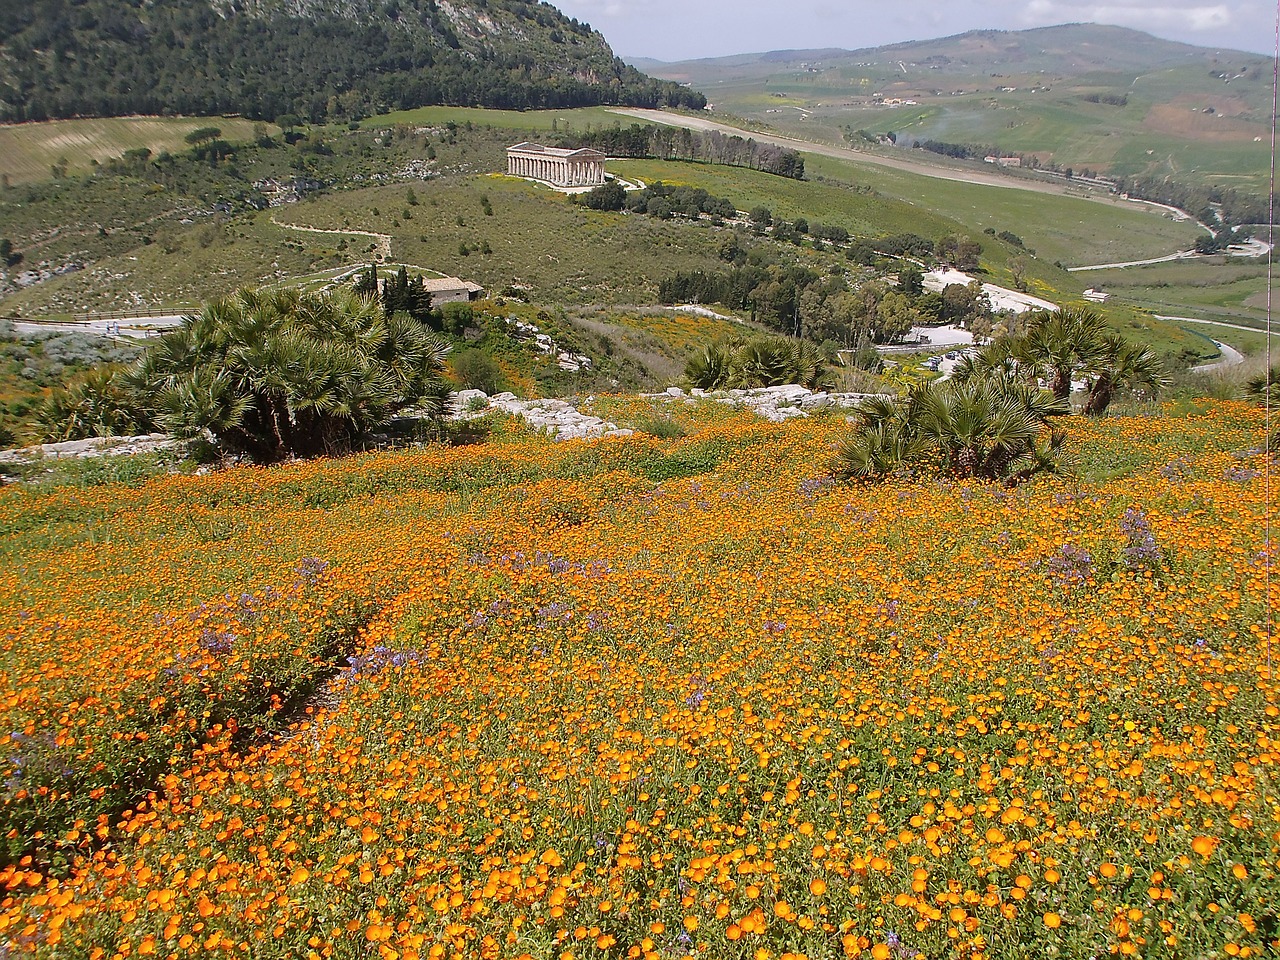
995 429
1264 388
764 360
1074 343
992 419
270 374
277 373
95 404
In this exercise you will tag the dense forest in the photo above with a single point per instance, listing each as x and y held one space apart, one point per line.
64 58
679 143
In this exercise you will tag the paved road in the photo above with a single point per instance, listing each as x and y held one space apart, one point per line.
1230 357
1246 248
1180 255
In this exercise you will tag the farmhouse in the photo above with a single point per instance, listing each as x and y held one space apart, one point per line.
451 290
562 168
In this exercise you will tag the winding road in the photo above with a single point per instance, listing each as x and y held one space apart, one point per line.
1230 358
1212 323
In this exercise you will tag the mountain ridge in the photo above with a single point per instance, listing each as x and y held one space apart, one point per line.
1129 39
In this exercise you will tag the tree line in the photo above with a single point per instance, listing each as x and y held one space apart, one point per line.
677 143
105 58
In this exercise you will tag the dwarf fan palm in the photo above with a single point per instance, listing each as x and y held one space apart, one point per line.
278 373
1120 365
994 429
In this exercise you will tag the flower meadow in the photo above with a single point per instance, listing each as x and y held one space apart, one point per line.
646 698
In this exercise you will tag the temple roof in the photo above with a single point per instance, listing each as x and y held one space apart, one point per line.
537 149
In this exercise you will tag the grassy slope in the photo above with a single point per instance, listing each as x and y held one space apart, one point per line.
530 120
28 150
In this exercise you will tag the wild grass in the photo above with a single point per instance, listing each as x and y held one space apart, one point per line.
1073 231
539 121
29 150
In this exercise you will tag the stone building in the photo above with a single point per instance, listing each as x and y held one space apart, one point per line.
451 290
557 166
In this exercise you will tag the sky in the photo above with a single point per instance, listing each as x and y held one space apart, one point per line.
687 29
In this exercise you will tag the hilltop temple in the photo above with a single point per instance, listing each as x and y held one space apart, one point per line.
556 166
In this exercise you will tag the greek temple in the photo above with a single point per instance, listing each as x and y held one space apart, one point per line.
559 167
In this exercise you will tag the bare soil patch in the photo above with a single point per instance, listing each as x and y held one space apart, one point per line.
1186 117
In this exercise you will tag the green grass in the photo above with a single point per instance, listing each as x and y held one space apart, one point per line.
1165 129
532 120
138 251
1073 230
29 150
181 267
661 341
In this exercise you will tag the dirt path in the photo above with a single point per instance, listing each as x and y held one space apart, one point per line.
384 240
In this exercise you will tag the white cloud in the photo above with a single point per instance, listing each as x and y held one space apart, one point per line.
1194 18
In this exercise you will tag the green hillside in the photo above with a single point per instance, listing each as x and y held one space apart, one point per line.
269 58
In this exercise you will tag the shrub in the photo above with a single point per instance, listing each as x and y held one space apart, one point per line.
273 374
97 404
476 370
984 428
760 361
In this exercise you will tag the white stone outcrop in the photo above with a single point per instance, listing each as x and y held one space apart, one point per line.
92 447
560 419
772 403
563 421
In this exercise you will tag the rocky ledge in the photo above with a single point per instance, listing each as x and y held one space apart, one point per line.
563 421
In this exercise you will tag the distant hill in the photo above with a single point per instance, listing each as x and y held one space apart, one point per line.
1066 50
1076 97
340 59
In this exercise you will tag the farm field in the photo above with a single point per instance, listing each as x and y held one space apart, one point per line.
647 698
28 150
